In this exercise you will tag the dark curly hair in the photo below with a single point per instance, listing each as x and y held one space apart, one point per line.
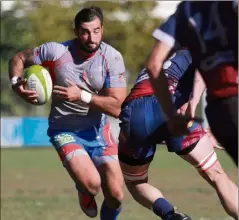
88 14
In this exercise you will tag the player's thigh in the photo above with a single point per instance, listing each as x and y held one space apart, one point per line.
75 158
134 159
139 120
197 149
141 117
111 180
106 160
134 174
185 143
193 147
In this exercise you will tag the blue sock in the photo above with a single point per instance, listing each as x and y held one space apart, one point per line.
163 209
107 213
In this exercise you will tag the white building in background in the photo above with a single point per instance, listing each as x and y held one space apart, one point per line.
6 5
165 8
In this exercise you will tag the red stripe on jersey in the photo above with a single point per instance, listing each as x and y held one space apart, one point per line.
50 65
141 89
221 82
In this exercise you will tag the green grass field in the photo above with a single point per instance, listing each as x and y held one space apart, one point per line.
34 186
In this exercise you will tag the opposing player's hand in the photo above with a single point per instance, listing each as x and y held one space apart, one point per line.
70 93
182 109
28 95
188 108
179 124
213 140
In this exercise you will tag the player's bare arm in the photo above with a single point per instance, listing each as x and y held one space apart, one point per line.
198 89
109 101
17 64
159 82
20 61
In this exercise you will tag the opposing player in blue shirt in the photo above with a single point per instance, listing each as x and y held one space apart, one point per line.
209 29
89 82
144 125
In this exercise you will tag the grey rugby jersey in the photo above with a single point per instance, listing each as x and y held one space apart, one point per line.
105 69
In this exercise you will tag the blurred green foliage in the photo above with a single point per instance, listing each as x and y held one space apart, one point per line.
127 27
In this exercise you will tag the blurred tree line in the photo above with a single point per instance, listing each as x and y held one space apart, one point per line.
127 27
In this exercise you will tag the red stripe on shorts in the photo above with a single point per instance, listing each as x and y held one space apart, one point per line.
66 149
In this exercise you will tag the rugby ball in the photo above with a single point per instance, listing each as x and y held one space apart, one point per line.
38 79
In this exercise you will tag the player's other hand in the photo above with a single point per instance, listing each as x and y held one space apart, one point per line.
188 108
70 93
213 140
182 110
191 109
29 96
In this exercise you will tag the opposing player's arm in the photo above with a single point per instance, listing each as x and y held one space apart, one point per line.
109 101
20 61
158 80
167 36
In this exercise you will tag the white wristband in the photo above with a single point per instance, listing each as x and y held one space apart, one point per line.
15 80
85 96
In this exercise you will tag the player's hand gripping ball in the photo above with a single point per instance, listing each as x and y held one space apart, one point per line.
38 79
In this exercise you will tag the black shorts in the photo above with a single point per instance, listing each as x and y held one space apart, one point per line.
222 117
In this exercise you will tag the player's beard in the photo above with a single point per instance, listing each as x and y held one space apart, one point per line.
87 49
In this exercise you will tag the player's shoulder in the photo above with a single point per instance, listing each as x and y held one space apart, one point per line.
68 43
54 46
109 52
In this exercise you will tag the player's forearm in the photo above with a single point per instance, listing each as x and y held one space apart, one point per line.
198 88
15 66
154 65
160 86
106 104
20 61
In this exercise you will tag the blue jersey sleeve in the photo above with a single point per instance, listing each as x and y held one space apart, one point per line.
174 30
115 77
68 43
178 64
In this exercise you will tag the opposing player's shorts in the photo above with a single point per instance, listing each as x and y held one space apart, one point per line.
222 115
97 142
143 126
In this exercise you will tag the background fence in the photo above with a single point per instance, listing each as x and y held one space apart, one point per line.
32 131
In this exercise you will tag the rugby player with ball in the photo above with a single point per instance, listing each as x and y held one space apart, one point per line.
89 83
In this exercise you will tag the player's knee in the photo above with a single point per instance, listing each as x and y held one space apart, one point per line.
92 186
115 197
